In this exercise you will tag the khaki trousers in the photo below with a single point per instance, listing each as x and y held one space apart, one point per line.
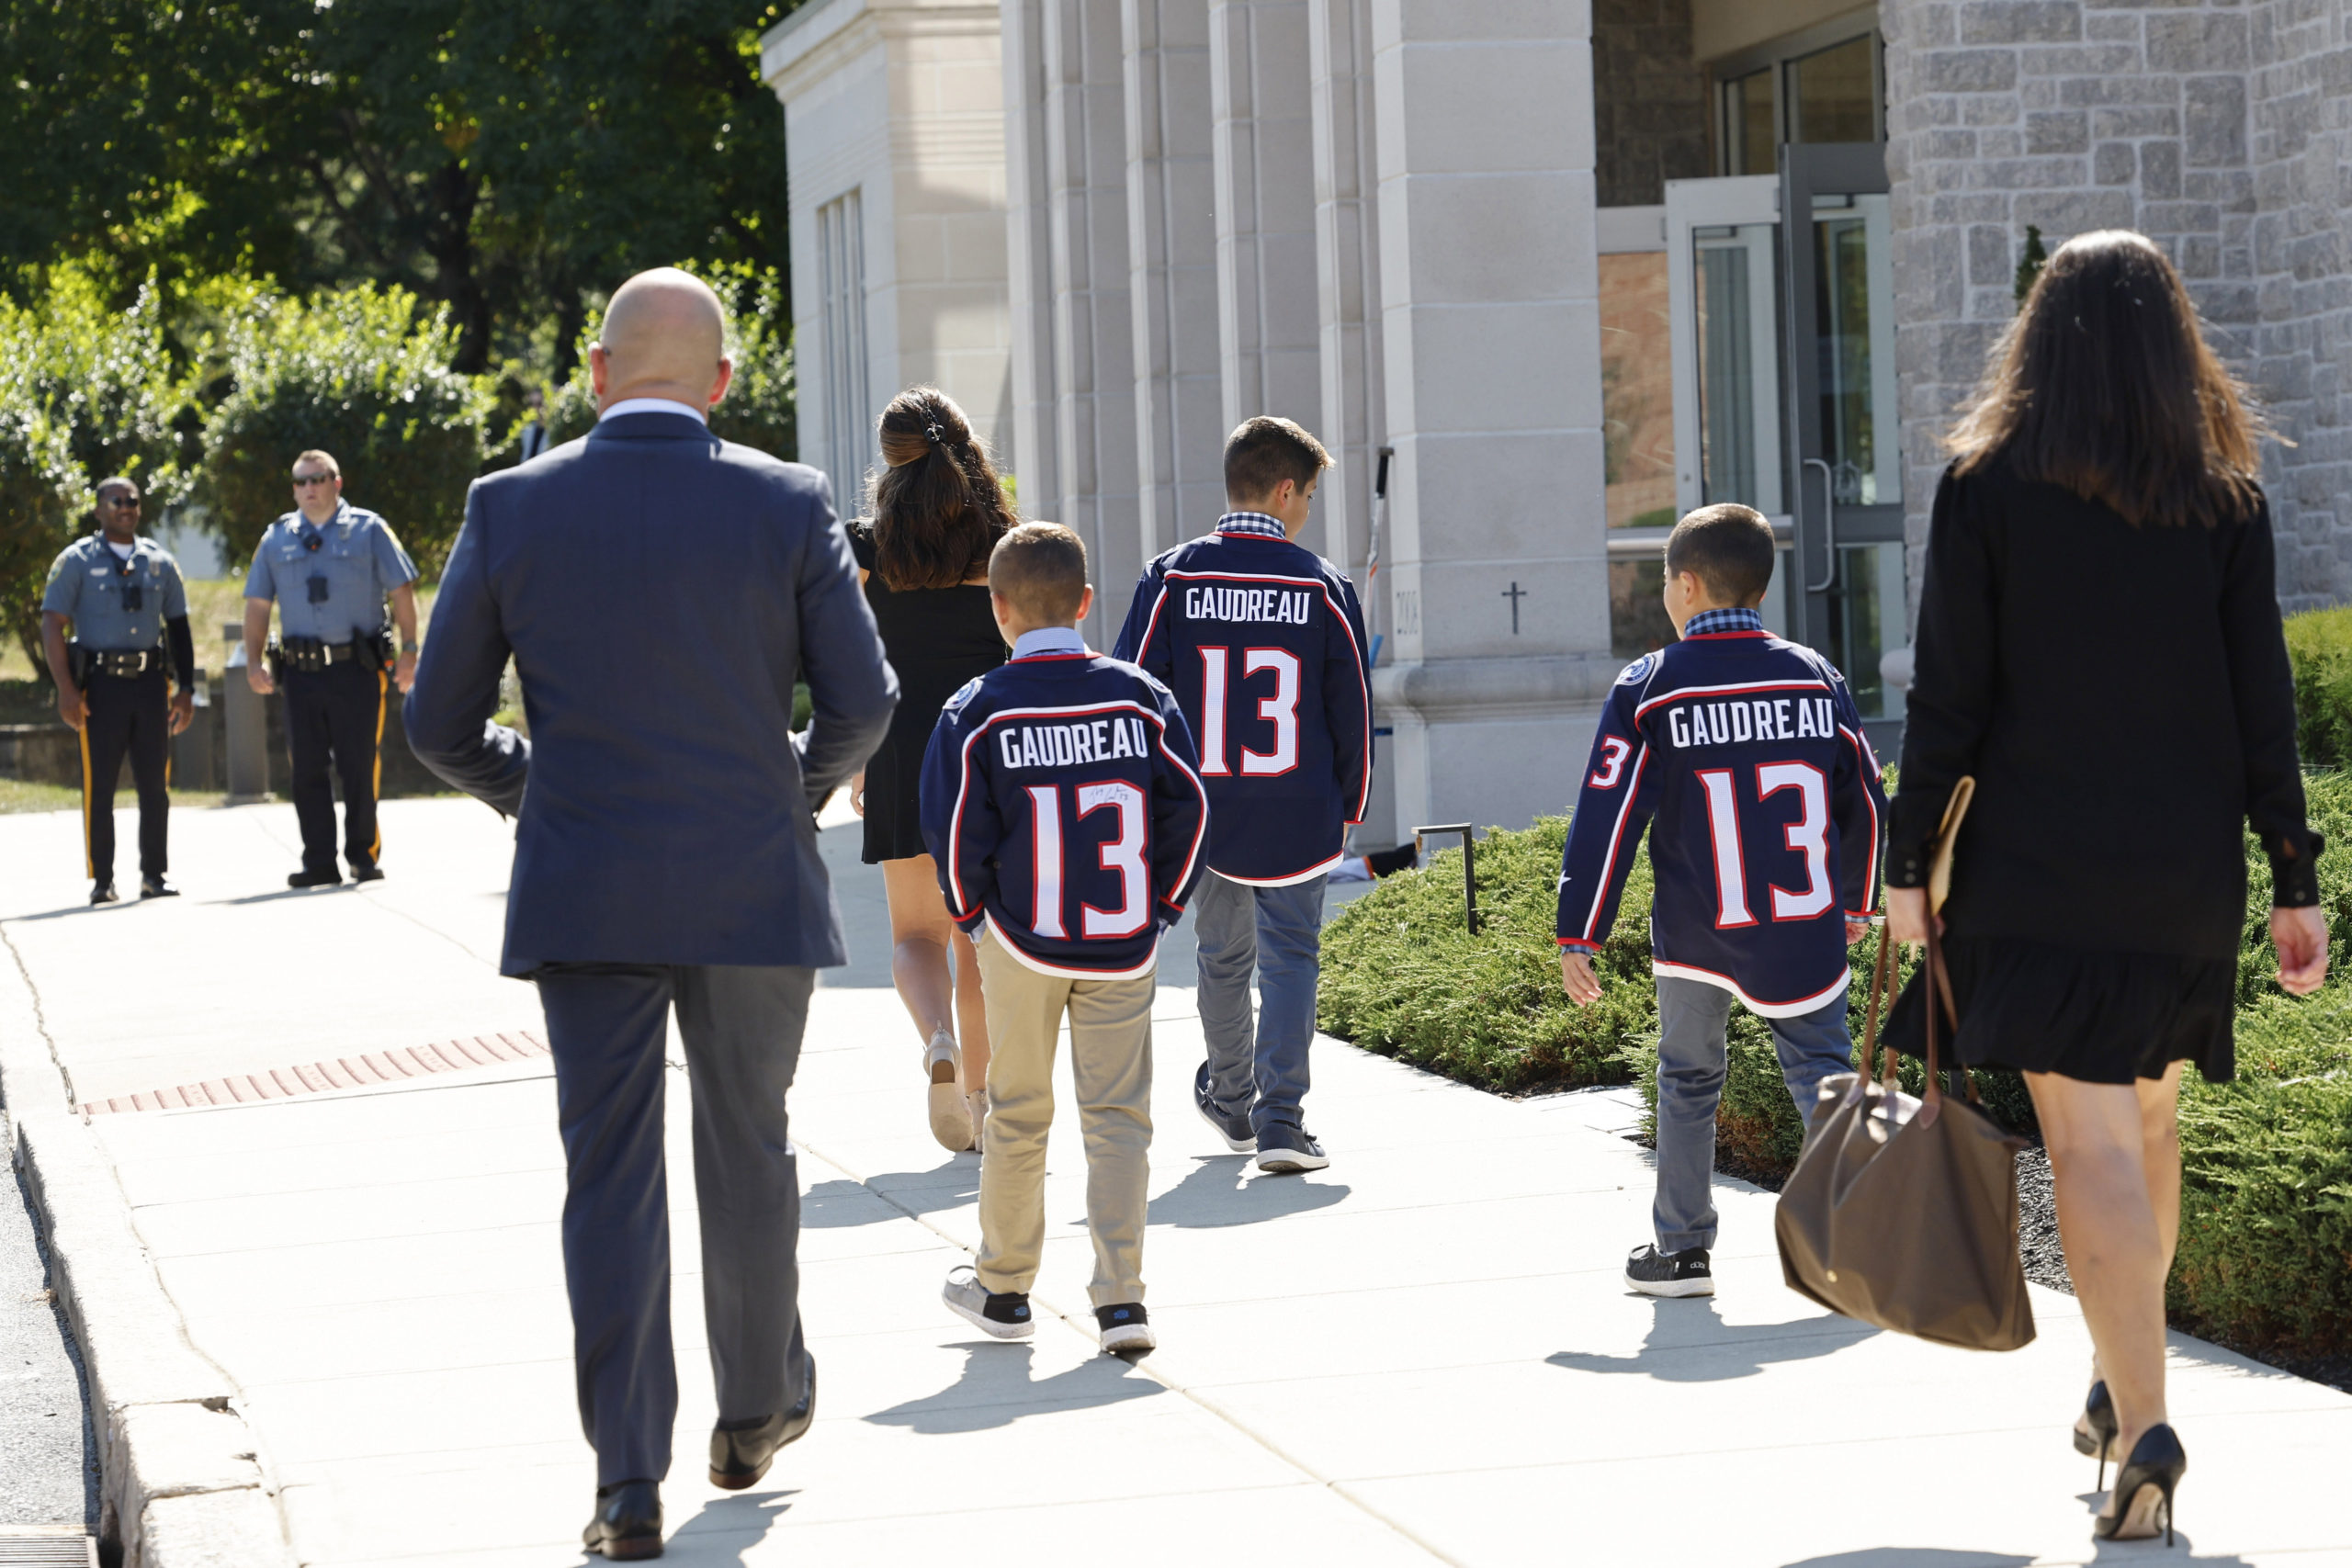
1110 1054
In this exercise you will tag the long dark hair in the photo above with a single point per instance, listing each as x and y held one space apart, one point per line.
2104 386
938 510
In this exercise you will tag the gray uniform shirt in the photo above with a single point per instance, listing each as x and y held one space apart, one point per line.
116 606
330 580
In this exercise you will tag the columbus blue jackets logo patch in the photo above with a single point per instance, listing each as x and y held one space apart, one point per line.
1638 671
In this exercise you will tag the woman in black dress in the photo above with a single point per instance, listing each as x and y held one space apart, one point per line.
2099 646
923 558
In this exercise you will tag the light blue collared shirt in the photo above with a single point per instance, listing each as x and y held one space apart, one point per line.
1049 639
651 405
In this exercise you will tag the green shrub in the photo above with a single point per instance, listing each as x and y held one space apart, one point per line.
361 374
1402 977
87 391
2319 644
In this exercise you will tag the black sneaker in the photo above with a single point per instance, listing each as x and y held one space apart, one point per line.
307 879
104 893
1286 1151
156 887
1656 1273
1235 1130
1125 1326
1004 1314
367 873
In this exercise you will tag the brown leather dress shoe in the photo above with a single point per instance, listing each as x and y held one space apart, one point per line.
741 1452
627 1524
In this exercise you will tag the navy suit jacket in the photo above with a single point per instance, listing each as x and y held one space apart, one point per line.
660 590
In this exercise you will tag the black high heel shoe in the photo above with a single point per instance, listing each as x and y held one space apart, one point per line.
2143 1486
2095 1429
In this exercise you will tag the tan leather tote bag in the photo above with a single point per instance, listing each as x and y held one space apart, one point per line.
1903 1213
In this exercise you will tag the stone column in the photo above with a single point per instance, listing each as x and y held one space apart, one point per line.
1172 270
1347 294
1268 346
1093 342
1491 329
1034 458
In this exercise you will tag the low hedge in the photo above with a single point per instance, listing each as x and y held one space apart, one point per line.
2266 1247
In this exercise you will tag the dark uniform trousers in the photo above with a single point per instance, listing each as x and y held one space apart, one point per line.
608 1030
129 715
334 717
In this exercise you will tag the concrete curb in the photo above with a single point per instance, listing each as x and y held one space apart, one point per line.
182 1484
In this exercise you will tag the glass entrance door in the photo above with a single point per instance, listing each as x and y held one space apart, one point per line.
1844 429
1781 291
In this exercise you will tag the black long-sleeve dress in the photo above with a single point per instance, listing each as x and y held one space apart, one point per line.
2122 696
937 638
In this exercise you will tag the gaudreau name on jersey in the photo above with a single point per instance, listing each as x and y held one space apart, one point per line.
1752 719
1065 745
1247 604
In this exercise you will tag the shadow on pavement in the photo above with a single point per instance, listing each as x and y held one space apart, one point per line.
1688 1342
1214 1195
273 897
72 909
727 1528
996 1390
841 1204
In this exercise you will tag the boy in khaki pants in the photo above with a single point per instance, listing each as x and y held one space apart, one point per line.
1062 801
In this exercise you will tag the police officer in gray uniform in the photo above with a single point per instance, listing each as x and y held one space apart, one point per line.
124 599
329 566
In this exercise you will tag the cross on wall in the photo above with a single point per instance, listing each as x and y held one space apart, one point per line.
1514 593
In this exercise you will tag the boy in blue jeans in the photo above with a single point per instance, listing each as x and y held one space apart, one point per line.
1264 645
1749 752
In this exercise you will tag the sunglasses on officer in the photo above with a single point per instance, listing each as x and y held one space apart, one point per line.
304 481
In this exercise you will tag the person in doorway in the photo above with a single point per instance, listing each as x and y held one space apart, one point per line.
1749 755
923 556
661 592
330 567
123 596
1263 644
2099 646
1061 799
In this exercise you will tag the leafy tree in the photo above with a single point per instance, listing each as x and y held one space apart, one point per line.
506 158
358 373
86 393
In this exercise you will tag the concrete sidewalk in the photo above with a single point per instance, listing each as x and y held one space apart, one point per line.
1422 1355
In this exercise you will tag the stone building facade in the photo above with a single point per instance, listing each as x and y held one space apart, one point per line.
1558 269
2223 131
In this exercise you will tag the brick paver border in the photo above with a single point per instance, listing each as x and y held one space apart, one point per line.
370 1069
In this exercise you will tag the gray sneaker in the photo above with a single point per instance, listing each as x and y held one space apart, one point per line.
1235 1130
1286 1151
1004 1314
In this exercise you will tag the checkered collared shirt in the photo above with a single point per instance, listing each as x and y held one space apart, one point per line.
1707 621
1256 524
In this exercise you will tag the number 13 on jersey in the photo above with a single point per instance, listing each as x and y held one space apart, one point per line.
1278 708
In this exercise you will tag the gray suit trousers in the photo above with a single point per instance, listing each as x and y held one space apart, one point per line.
608 1026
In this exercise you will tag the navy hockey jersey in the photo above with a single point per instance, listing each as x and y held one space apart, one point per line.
1263 644
1060 799
1749 753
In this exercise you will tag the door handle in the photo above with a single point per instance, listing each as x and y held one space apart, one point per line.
1828 523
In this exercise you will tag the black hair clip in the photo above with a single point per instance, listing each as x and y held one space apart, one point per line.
936 431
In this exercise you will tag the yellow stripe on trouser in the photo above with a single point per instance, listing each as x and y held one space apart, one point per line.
89 852
376 849
1109 1050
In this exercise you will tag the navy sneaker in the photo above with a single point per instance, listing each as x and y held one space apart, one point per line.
1285 1151
1125 1327
1004 1314
1235 1130
1656 1273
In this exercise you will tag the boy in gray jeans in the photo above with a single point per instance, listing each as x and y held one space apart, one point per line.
1749 755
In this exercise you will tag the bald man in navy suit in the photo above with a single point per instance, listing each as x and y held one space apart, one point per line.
661 590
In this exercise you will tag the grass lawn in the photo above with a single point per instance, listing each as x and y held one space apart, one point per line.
17 796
